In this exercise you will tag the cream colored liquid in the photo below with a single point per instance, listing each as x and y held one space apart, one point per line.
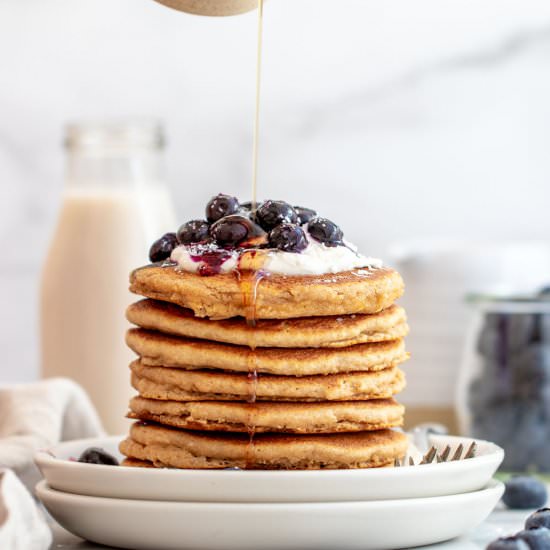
101 236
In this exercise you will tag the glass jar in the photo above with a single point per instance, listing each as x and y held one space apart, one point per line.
504 384
115 204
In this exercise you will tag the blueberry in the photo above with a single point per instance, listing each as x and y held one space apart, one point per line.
304 214
162 248
523 492
195 231
288 237
508 543
540 518
221 205
237 230
272 213
325 231
537 538
95 455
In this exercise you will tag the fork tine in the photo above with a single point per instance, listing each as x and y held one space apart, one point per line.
471 450
445 453
429 456
458 452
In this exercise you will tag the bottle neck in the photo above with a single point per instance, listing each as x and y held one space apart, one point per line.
114 169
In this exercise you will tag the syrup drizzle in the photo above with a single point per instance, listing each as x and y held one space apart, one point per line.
249 275
257 111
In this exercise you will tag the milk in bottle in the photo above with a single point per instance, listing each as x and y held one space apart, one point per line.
115 205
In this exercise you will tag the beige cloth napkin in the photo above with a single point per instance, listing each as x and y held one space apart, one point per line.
32 417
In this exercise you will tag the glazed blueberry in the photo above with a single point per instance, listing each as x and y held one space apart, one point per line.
304 214
288 237
536 539
221 205
325 231
272 213
540 518
162 248
523 492
508 543
195 231
95 455
237 230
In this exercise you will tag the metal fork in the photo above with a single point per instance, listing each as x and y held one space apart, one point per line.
445 456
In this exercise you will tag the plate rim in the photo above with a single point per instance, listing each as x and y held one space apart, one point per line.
42 487
45 457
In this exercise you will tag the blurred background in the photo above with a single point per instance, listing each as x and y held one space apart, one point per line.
422 128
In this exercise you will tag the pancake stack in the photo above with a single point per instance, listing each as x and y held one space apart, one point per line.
309 385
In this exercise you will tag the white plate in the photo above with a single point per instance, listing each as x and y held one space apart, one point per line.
375 525
265 486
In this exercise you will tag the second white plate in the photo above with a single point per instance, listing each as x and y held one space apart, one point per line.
63 473
375 525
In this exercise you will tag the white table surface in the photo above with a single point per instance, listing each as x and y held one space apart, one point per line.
500 522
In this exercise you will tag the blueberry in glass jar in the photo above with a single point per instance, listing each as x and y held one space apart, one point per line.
288 237
162 248
325 231
220 206
272 213
95 455
304 214
194 231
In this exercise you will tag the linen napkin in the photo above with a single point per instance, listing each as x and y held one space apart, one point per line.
35 416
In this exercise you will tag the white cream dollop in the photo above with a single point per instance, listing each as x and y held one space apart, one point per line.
315 259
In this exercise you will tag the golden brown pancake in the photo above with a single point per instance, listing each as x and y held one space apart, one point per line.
204 385
269 416
365 290
158 349
172 448
308 332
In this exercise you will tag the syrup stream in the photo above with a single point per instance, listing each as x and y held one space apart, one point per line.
257 112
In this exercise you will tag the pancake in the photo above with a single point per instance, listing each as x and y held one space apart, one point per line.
199 385
161 350
269 416
365 290
308 332
172 448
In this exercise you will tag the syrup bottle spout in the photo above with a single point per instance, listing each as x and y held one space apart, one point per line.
212 7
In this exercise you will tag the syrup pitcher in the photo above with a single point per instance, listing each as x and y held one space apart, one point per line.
212 7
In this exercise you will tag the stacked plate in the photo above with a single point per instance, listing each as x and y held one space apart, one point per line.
165 509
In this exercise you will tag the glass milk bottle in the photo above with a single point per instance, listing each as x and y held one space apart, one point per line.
115 205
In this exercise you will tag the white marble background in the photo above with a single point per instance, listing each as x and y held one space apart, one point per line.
399 119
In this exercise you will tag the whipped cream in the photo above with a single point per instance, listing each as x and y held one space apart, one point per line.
316 259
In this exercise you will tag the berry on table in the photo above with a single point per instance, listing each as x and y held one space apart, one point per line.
508 543
540 518
536 539
523 492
